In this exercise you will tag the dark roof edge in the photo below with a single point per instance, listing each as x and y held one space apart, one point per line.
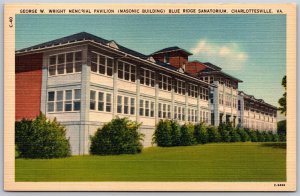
169 49
221 72
256 99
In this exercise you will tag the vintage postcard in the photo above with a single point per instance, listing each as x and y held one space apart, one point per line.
150 97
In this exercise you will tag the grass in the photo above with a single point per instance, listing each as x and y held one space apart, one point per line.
222 162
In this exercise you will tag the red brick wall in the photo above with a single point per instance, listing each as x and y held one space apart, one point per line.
195 67
28 85
177 59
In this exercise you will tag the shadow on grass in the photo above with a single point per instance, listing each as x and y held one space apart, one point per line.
275 145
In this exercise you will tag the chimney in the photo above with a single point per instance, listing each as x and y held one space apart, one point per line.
174 56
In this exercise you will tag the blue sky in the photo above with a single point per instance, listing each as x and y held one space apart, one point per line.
249 47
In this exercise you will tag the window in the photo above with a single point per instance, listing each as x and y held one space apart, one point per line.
221 99
164 82
228 100
183 114
164 111
65 63
167 58
147 108
159 110
193 90
189 114
179 87
169 111
147 77
179 113
93 100
126 105
152 109
100 101
101 64
203 92
126 71
59 101
68 102
193 115
132 106
51 96
119 107
76 100
175 112
108 102
141 107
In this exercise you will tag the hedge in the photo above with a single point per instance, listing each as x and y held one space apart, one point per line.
200 133
170 133
187 135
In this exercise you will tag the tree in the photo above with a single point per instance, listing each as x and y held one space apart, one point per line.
282 100
281 127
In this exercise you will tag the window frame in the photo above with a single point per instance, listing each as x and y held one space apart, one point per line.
106 67
64 63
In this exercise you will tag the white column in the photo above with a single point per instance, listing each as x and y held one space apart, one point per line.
115 87
216 104
44 85
186 102
84 105
137 94
156 97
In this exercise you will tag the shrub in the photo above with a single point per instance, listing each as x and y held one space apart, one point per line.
187 135
41 138
275 137
269 136
253 135
175 133
281 127
282 137
200 133
260 136
213 134
120 136
162 133
234 136
224 130
243 135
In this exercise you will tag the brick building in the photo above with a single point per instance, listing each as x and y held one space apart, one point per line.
85 81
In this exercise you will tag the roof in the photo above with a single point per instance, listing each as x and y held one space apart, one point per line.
89 37
80 37
209 72
171 49
212 66
256 100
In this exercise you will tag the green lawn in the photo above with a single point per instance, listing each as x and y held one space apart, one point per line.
210 162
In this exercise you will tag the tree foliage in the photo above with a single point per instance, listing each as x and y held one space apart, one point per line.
120 136
41 138
282 100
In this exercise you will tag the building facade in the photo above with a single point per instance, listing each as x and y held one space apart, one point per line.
85 81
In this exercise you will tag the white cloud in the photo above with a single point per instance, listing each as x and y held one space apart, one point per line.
228 56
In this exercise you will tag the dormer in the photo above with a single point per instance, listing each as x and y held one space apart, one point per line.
174 56
113 44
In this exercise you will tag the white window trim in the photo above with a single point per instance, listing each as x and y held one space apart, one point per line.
64 100
65 63
98 64
123 79
150 78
